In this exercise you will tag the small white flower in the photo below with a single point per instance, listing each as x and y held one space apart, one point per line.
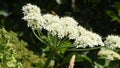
29 8
88 39
33 16
83 41
69 21
112 42
70 27
53 24
50 19
81 30
109 54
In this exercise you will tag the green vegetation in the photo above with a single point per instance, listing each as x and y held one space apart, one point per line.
13 52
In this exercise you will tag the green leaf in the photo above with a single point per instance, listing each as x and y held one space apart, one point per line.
86 58
64 46
117 5
97 65
113 16
45 38
3 13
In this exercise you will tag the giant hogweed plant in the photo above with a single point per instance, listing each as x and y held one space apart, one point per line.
61 34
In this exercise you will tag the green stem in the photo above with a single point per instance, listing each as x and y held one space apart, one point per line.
49 37
38 37
107 62
61 41
58 42
39 32
49 58
87 49
55 40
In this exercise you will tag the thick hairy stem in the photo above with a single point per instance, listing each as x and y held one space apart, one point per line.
49 58
107 62
49 37
87 49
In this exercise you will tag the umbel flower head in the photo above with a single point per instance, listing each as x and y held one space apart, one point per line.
61 27
33 16
88 39
54 25
70 27
112 42
109 54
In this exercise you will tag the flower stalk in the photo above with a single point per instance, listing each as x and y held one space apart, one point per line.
87 49
51 55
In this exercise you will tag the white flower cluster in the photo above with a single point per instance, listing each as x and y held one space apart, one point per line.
64 26
53 25
112 42
109 54
61 26
88 39
70 27
67 26
33 16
